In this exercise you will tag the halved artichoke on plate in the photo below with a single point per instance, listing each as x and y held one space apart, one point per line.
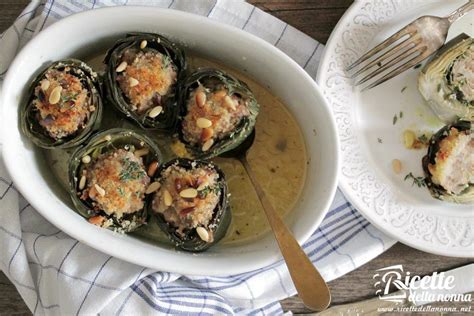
218 112
64 105
109 178
449 163
191 203
142 71
447 81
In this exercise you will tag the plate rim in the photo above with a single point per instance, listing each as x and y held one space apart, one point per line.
345 188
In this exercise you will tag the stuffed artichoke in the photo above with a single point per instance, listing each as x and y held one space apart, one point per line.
449 164
142 71
218 112
191 204
64 105
447 81
110 176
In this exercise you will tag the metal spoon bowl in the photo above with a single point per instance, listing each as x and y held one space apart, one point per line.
309 284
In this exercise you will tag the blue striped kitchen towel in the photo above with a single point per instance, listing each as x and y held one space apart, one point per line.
57 275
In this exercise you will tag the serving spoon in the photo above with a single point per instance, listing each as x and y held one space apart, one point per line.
309 284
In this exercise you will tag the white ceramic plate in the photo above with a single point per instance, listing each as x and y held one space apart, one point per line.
403 211
80 33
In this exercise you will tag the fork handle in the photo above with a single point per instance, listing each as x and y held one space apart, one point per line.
461 11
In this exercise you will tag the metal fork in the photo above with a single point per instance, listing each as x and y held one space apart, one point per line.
414 43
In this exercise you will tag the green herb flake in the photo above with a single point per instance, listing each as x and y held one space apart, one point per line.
419 181
379 140
401 114
121 191
67 98
204 192
417 66
403 89
395 118
166 60
423 139
131 170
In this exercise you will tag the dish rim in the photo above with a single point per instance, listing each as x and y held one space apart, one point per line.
41 206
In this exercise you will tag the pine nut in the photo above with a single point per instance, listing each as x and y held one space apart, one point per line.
200 98
86 159
167 198
123 65
82 183
152 168
143 44
99 190
141 152
203 122
396 166
409 138
207 144
202 233
228 102
220 94
206 134
188 193
45 84
133 82
55 95
155 111
153 187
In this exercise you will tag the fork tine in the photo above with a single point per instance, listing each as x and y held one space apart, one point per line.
411 63
395 50
380 47
391 63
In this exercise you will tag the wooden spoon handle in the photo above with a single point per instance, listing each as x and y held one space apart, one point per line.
309 284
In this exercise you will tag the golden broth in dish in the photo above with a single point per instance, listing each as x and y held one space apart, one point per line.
277 157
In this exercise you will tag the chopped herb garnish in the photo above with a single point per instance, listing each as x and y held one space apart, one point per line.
417 66
121 191
67 98
423 139
204 192
401 114
379 140
403 89
419 181
131 170
166 61
395 118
